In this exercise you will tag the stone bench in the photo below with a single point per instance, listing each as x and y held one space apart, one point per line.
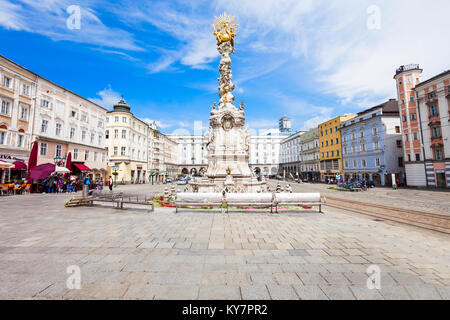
119 198
198 199
257 200
298 199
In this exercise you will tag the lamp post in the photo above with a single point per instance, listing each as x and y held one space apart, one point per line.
115 168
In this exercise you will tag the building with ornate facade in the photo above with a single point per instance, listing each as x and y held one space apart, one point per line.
290 161
425 110
309 155
170 157
17 98
330 148
192 153
35 109
372 145
127 145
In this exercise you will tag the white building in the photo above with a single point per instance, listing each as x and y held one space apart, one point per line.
290 160
192 153
310 155
265 153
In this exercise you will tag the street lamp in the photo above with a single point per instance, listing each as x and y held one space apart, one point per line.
59 161
115 173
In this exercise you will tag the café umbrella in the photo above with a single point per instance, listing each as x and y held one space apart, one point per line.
42 171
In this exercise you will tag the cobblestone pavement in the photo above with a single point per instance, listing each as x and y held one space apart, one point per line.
133 254
434 201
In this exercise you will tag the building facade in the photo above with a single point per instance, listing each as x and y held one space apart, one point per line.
170 157
127 145
372 145
65 122
330 147
265 153
310 155
192 153
433 101
17 98
424 109
290 160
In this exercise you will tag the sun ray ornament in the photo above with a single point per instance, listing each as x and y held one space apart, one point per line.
225 28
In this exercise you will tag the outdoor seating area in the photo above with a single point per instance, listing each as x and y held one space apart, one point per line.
13 189
252 200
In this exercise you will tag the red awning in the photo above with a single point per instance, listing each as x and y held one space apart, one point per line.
20 165
81 166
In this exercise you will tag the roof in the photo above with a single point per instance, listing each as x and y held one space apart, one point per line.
388 107
442 74
55 84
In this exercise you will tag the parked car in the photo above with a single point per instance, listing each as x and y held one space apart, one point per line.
182 181
169 180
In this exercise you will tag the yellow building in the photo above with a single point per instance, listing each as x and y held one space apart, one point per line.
331 148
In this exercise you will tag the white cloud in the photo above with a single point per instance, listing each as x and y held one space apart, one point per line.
48 18
108 98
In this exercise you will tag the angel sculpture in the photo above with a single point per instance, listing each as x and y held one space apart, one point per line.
241 106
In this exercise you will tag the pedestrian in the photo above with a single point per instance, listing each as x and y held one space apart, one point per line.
110 183
100 184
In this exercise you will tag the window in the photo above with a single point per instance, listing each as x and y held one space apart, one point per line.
107 134
434 110
436 132
400 162
86 155
58 129
377 162
321 133
375 131
44 126
75 154
331 142
100 124
326 132
2 137
322 144
431 95
24 113
363 147
45 103
361 134
99 139
123 151
107 119
406 137
405 118
399 143
337 140
115 151
58 150
25 89
332 153
416 136
409 158
413 116
20 140
72 133
417 156
331 130
363 163
328 154
124 119
116 119
95 156
43 149
84 117
335 129
116 133
337 153
73 114
92 137
7 83
6 106
83 135
103 157
376 145
346 163
411 99
355 164
397 129
124 134
438 154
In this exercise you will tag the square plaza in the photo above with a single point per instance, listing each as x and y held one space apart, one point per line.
134 254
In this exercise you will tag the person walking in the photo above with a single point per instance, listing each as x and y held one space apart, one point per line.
110 183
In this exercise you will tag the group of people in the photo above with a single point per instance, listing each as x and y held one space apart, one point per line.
56 183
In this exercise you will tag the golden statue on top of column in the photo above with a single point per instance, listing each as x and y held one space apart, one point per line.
225 28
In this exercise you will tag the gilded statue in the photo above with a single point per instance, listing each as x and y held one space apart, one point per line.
224 29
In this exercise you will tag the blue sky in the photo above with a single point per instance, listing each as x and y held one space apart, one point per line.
308 59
